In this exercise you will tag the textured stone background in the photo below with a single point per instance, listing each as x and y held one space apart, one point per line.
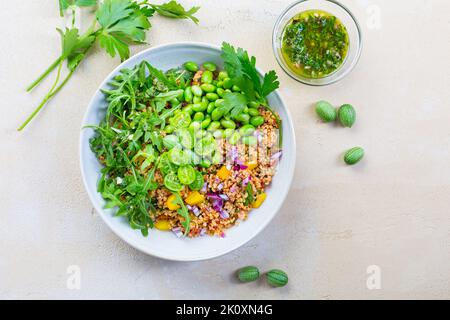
392 210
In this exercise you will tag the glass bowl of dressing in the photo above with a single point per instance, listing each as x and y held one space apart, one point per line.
317 42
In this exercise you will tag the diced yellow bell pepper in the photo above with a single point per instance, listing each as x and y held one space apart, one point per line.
251 165
162 225
223 173
171 204
195 198
259 200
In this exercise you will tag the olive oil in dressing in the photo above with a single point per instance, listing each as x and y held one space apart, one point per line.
315 44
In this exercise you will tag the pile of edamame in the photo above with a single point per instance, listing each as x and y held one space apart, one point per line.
200 121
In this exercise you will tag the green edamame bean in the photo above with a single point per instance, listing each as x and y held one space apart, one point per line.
242 117
218 134
206 123
235 88
257 121
188 109
199 107
207 76
216 114
228 124
253 112
198 116
223 75
234 138
214 125
214 82
245 110
220 92
253 104
188 94
227 83
210 66
174 102
196 99
191 66
205 163
219 102
219 84
198 133
197 91
227 133
211 107
212 96
247 130
169 128
249 140
206 87
216 158
195 126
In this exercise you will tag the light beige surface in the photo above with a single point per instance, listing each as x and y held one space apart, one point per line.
391 210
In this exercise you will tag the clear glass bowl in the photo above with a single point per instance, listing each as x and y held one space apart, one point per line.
347 19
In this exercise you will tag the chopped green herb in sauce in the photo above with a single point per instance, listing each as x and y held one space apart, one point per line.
315 43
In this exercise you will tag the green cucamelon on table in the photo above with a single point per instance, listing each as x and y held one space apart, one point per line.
248 274
277 278
353 155
347 115
326 111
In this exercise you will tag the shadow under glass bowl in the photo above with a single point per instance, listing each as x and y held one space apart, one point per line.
337 10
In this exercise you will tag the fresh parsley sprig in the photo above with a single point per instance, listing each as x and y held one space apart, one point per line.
242 70
117 24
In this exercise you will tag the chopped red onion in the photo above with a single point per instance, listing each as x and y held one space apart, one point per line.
233 188
177 232
224 197
276 155
222 234
202 232
224 214
196 211
189 207
204 188
246 181
213 196
229 166
220 186
234 154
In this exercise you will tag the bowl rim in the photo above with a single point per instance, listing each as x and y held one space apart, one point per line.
289 72
102 213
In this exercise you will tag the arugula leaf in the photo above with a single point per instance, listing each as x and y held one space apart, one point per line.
234 103
183 211
242 70
175 10
158 74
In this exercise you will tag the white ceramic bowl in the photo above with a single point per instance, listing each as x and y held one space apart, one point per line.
165 244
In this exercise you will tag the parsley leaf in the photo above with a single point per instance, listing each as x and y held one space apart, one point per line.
270 83
175 10
234 103
74 47
65 4
123 22
242 70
